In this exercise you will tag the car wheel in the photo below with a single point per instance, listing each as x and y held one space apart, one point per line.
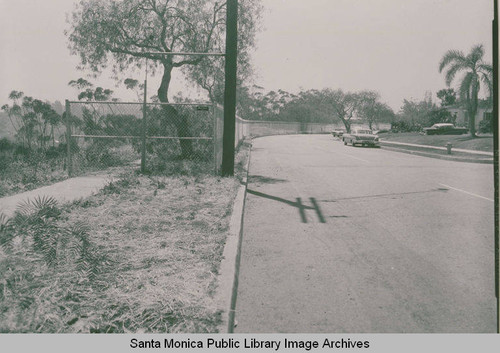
345 142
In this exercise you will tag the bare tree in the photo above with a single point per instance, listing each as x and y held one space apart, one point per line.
343 105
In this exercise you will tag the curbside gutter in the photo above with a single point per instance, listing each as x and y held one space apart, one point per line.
227 287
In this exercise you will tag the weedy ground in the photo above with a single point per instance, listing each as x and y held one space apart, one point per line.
140 256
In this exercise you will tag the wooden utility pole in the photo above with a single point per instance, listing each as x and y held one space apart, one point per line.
495 147
230 88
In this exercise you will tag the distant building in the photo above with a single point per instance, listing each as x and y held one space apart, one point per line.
461 117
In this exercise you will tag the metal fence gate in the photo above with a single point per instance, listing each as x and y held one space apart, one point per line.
163 137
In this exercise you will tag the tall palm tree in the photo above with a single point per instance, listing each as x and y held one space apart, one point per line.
476 71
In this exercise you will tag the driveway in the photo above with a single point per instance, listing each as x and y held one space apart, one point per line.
351 239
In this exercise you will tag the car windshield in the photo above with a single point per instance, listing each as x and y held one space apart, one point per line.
368 132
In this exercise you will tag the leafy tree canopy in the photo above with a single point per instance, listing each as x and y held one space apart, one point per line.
316 106
447 97
32 120
125 33
88 92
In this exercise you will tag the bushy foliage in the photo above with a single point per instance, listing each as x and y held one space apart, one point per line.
405 126
447 97
486 125
415 115
35 122
440 115
23 168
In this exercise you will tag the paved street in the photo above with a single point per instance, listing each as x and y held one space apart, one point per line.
351 239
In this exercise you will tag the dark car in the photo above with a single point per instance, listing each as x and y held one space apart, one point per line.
445 129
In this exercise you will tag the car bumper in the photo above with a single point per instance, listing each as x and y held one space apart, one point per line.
366 143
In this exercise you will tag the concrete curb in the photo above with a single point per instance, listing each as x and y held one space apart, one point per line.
438 156
229 268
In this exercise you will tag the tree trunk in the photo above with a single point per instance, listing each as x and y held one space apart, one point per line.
347 125
180 121
472 123
472 110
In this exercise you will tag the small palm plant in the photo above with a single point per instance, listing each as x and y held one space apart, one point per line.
37 219
476 71
89 261
36 223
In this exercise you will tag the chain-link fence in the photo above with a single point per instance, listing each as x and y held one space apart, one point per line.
158 137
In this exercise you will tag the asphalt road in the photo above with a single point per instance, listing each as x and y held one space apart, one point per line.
352 240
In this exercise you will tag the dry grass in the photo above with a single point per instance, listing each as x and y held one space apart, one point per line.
158 241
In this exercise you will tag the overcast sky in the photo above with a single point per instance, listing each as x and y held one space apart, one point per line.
391 46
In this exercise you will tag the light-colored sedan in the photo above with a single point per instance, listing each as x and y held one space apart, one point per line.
364 137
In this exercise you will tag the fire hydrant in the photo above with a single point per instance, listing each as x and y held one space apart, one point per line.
448 147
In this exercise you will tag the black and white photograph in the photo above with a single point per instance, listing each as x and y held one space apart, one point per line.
245 167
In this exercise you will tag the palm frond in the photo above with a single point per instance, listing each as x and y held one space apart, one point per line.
41 205
485 68
452 71
450 56
7 232
79 230
476 55
488 81
90 262
36 219
45 234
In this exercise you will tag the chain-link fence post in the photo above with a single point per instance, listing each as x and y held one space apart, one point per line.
214 140
144 130
69 161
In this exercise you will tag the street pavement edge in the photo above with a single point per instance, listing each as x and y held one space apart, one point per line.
227 288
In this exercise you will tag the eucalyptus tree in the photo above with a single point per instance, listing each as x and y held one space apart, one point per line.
476 71
88 92
372 110
132 33
33 120
343 104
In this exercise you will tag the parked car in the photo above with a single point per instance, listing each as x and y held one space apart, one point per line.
445 129
338 133
362 137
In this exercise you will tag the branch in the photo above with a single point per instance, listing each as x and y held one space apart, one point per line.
135 54
214 25
188 62
139 44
